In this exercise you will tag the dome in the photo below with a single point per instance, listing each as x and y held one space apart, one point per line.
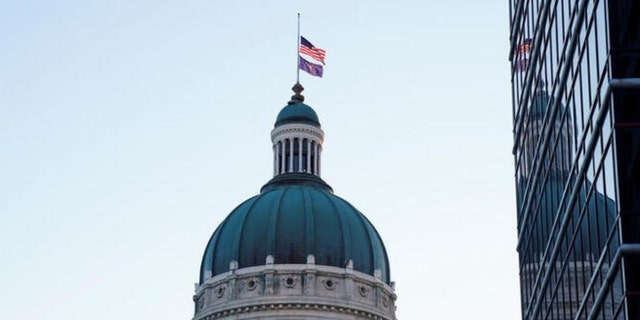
297 112
601 210
289 220
295 250
539 106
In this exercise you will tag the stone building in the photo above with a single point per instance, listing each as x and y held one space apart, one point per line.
296 250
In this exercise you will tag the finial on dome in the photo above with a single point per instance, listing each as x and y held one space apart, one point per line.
297 88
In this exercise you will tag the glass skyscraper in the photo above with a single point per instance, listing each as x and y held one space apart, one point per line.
575 74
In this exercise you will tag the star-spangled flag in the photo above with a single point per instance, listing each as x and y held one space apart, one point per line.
525 46
311 68
309 49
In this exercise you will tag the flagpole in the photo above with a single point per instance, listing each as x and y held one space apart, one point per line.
297 52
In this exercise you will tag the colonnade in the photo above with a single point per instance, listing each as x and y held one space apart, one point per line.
296 155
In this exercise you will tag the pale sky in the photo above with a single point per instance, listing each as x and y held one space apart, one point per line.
130 129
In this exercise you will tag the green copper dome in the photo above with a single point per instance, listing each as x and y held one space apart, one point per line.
294 216
539 106
601 210
297 112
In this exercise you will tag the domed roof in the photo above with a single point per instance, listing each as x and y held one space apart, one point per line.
601 211
289 220
539 105
297 112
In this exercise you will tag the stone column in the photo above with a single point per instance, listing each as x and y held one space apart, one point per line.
299 155
282 145
315 158
308 155
275 159
319 160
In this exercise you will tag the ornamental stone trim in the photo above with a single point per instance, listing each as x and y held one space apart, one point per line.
294 307
292 130
329 283
290 282
294 291
252 283
363 290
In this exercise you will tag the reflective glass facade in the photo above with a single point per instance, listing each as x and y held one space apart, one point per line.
575 74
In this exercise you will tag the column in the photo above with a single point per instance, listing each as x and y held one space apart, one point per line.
315 159
282 157
299 154
319 159
275 159
308 155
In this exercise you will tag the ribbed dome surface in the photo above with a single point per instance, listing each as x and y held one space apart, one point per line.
297 112
289 222
601 211
540 105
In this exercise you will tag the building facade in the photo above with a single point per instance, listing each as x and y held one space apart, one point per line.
575 75
296 250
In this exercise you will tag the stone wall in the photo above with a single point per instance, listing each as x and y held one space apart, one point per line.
294 291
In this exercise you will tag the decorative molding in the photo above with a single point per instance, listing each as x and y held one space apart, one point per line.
252 283
220 291
295 287
291 130
364 291
294 306
290 281
329 284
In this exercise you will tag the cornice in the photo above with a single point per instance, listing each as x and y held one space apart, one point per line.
303 290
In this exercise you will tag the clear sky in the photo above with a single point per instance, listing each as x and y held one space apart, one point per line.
130 129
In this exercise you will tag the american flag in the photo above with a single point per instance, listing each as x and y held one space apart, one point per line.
308 49
525 46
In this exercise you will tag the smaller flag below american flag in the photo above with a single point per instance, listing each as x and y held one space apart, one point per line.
521 65
311 68
310 50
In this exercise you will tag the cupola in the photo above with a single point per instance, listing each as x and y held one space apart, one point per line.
297 138
296 250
